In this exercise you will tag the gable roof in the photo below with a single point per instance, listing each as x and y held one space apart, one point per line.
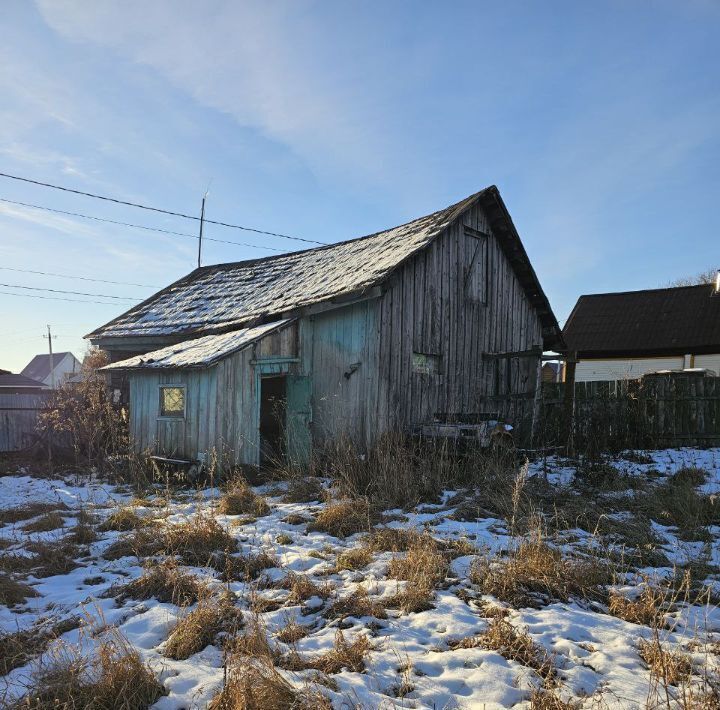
682 320
200 352
8 379
226 296
39 367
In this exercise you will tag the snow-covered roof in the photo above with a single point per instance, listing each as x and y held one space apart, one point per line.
199 352
224 295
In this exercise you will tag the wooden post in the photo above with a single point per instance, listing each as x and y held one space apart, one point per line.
569 400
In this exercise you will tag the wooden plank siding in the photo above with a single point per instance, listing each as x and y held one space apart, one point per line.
425 309
18 419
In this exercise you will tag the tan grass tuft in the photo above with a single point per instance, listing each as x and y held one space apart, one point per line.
357 604
199 540
304 490
292 632
422 566
256 685
303 588
671 667
548 699
141 543
13 592
115 677
343 656
165 582
647 609
199 628
344 517
353 559
245 567
124 519
45 523
240 499
535 572
25 512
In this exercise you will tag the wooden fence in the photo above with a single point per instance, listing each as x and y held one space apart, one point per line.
680 409
18 419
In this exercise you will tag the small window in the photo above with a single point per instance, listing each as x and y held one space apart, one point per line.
172 401
476 270
426 363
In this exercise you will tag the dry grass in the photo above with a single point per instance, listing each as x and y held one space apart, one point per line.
344 517
240 499
48 558
512 644
304 490
548 699
253 642
303 588
45 523
670 667
165 582
536 573
647 609
141 543
20 647
199 540
423 565
353 559
25 512
296 519
245 567
411 600
357 605
13 592
124 519
256 685
83 532
198 629
342 656
292 632
115 678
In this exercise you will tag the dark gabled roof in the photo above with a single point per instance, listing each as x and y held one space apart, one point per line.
226 296
39 367
684 320
8 379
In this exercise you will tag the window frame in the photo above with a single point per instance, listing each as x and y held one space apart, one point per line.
480 260
165 415
435 358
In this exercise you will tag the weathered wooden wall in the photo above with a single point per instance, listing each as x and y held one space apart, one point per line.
340 352
657 411
428 308
221 404
18 419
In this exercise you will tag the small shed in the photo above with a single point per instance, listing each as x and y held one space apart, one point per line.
442 318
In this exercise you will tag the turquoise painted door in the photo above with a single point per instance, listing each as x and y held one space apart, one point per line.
298 419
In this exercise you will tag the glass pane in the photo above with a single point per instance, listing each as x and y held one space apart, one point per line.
172 401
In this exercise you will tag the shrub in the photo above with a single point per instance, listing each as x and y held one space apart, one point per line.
240 499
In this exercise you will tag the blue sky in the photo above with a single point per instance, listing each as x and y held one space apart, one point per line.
598 121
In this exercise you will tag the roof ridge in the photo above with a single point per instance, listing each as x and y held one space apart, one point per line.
645 290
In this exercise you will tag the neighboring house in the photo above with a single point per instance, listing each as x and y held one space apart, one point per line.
626 335
64 365
17 384
441 317
552 372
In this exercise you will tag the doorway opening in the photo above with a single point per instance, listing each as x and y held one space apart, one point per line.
273 407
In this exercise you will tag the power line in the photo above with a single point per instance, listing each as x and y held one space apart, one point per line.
136 226
74 293
57 298
157 209
79 278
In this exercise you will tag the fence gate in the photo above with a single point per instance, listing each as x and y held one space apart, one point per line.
19 418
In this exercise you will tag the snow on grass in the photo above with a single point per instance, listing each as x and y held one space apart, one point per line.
431 659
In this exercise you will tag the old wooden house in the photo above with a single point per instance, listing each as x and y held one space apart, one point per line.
440 318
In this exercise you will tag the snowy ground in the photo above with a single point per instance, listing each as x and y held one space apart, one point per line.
595 653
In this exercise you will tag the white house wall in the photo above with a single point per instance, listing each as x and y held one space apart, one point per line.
624 369
710 362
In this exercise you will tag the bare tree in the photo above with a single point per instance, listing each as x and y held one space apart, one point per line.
705 277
